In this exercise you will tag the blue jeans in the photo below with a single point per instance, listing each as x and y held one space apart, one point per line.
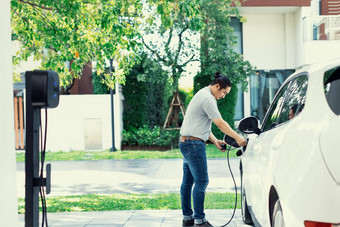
195 170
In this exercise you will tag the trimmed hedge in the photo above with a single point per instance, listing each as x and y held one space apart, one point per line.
150 137
146 92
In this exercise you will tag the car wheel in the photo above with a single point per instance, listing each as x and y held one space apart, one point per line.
246 217
277 217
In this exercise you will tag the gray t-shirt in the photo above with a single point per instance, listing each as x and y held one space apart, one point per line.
197 120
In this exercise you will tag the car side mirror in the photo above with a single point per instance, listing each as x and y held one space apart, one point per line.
249 125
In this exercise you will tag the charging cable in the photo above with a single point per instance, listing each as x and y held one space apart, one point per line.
227 148
42 188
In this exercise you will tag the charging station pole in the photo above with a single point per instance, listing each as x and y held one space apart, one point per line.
42 91
31 159
112 112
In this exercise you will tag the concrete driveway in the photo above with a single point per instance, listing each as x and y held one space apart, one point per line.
129 176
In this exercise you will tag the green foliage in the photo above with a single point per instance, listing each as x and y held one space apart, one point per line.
156 106
65 35
174 24
201 81
146 93
172 11
218 55
186 96
226 107
211 151
110 202
190 95
59 32
146 136
218 43
99 86
135 95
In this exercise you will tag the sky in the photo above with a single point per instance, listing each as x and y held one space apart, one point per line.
187 80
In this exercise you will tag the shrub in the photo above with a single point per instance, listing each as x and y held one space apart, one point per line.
147 136
146 93
99 87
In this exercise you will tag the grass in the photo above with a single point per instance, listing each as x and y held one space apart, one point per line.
211 150
113 202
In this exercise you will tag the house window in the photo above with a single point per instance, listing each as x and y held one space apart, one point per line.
239 110
263 88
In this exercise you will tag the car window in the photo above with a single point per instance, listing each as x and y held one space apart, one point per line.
332 89
295 100
289 103
272 116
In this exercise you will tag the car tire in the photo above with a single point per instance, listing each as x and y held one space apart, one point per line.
277 216
246 217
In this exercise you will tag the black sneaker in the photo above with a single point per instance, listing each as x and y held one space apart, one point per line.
188 223
205 224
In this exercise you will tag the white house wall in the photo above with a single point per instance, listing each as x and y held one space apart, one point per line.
290 41
8 198
67 122
279 38
263 39
299 53
317 50
321 50
268 41
311 51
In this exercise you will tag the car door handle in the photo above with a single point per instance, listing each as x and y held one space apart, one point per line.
276 147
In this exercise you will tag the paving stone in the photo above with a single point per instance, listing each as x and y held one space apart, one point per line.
147 218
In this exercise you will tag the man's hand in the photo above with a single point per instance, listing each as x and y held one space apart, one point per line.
218 145
241 141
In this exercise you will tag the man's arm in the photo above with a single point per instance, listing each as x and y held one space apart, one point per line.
218 143
212 138
225 128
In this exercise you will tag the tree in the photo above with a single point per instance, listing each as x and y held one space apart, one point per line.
218 54
77 32
168 36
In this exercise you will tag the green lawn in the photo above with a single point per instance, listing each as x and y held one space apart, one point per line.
111 202
212 152
127 201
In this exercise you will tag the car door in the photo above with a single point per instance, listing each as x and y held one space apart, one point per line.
257 157
268 144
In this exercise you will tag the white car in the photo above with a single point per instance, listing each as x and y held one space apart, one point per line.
290 170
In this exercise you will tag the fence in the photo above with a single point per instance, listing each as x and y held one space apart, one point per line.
19 124
321 28
80 122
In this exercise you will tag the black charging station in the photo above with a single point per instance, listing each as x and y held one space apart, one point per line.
42 91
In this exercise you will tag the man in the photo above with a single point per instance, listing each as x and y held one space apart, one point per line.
292 111
195 130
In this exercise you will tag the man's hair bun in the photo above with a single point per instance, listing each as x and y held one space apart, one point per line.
222 80
217 75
